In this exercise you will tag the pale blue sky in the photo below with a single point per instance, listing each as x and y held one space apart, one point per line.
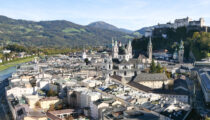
130 14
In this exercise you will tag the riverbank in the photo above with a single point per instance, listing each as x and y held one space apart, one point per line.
14 63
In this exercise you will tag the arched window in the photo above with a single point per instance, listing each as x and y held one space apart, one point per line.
125 73
114 72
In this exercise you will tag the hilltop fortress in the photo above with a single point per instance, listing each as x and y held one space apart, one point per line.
184 22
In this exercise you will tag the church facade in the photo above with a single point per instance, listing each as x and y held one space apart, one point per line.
121 52
178 55
123 62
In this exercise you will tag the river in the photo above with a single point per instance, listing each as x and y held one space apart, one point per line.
5 113
7 73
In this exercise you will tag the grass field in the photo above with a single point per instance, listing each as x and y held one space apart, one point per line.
13 63
70 30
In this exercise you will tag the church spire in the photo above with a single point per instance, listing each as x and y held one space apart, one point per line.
129 49
150 41
149 49
112 42
181 45
129 43
181 52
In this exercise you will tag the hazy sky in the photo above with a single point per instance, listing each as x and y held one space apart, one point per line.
130 14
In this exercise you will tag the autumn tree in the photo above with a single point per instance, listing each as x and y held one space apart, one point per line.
152 67
37 104
59 107
70 117
158 68
51 93
52 107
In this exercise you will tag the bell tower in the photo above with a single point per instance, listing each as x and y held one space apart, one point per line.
181 52
129 49
115 49
149 49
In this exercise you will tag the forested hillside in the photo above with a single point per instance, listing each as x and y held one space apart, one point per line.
55 33
195 40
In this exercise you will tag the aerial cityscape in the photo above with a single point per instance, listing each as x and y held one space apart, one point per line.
66 60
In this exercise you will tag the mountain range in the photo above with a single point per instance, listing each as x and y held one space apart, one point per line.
59 33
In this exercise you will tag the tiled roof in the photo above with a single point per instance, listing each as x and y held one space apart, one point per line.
180 83
172 92
52 117
150 77
64 111
48 98
119 78
139 86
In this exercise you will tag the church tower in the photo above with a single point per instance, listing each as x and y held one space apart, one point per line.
115 49
149 49
112 42
181 52
129 49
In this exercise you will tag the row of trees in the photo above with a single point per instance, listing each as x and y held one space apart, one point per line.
46 50
15 48
158 69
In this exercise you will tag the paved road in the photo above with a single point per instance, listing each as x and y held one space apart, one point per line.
198 99
190 85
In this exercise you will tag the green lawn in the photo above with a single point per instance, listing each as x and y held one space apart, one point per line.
13 63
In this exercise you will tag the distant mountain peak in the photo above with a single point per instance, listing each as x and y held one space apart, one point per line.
104 25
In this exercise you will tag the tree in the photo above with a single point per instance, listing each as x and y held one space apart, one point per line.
199 44
168 74
158 68
37 104
1 56
51 93
7 56
59 107
86 61
163 69
52 107
69 117
152 67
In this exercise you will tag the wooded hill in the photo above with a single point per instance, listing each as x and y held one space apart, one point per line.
55 33
195 40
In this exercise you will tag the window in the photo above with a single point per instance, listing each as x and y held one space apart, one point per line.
114 72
